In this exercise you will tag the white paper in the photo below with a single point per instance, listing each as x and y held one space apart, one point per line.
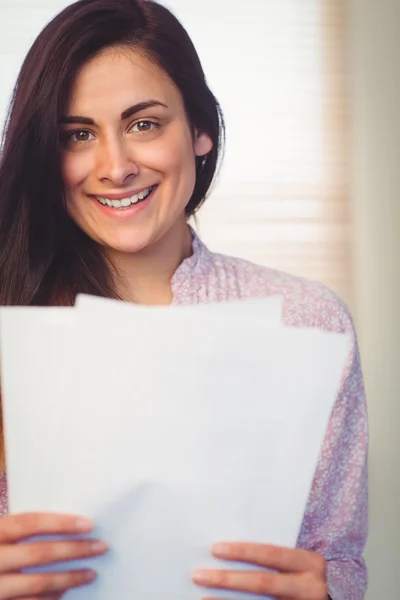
171 432
269 310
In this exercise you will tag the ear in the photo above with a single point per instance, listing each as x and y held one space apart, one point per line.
202 144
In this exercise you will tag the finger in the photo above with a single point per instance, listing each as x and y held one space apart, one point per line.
21 556
285 560
261 583
303 586
15 528
51 597
38 585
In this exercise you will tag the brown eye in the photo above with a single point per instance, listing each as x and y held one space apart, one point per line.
75 137
144 126
80 136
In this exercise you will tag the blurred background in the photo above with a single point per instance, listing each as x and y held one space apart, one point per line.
310 182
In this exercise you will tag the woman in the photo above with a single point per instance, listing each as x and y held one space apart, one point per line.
112 142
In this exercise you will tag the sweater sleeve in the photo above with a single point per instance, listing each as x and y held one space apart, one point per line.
336 519
3 495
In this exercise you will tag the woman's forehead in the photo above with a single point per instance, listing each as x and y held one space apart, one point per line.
120 78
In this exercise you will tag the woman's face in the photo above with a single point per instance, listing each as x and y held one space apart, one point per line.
128 157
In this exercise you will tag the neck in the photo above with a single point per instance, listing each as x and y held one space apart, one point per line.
144 277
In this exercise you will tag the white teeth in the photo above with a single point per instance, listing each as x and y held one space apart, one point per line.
125 202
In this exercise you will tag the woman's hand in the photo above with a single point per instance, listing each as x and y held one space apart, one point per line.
15 555
300 574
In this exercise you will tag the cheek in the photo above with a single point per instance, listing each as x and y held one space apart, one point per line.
74 171
75 168
172 155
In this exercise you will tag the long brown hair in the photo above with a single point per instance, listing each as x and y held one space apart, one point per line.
44 257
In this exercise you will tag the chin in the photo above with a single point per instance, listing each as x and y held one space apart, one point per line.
124 247
125 244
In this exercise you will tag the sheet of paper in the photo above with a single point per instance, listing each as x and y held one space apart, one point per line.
192 430
266 309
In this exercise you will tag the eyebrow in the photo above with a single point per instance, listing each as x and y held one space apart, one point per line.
129 112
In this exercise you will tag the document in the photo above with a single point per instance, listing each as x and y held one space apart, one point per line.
266 309
171 429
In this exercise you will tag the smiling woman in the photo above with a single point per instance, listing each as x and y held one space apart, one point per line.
129 175
112 142
139 118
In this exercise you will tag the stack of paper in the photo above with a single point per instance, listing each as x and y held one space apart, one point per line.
172 428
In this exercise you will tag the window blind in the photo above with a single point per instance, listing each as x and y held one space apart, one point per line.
279 70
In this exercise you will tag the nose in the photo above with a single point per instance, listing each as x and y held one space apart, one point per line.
115 163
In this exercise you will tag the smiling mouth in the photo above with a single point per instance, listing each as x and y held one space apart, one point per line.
128 201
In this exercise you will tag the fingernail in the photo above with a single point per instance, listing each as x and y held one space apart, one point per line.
221 548
90 575
99 546
201 577
83 524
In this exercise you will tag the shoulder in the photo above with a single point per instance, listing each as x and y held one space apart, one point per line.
306 303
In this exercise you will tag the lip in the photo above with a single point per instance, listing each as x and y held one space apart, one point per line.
123 213
122 195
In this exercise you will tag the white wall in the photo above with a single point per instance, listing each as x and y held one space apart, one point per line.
375 46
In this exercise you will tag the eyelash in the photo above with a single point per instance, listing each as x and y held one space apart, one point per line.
156 125
68 135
